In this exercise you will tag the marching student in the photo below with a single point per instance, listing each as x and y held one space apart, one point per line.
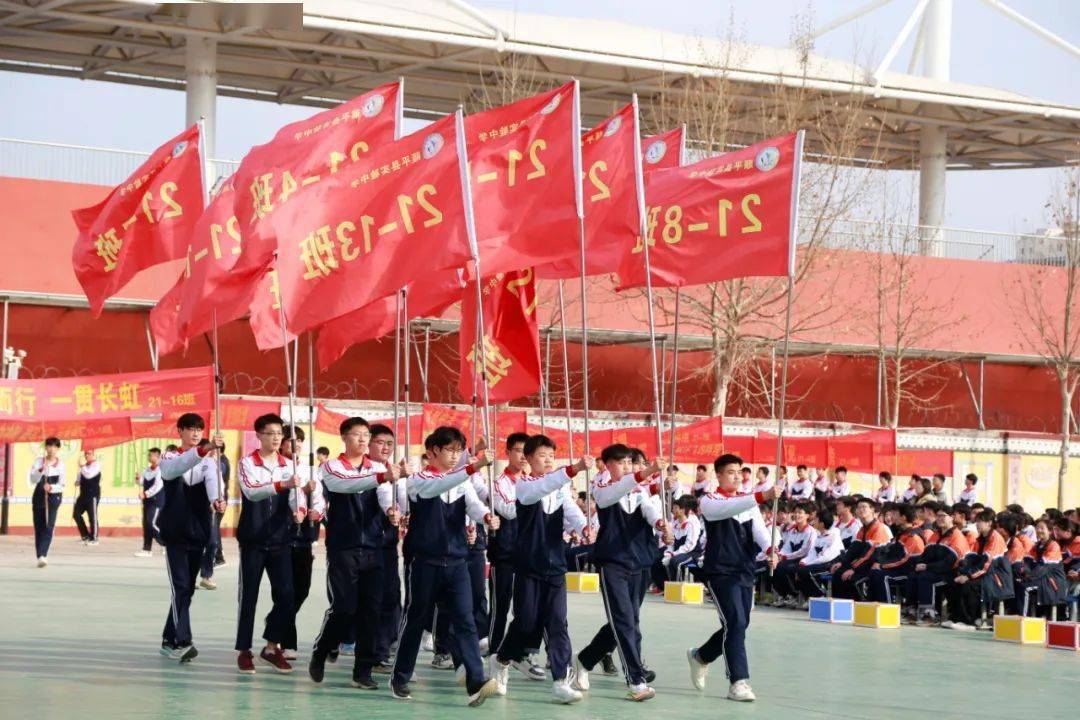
825 549
309 498
191 492
268 511
896 560
47 478
214 555
501 546
803 488
440 497
545 508
357 489
885 493
853 567
150 487
381 450
796 544
701 480
846 522
734 532
969 494
623 549
88 481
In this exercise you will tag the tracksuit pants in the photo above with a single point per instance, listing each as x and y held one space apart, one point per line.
784 577
302 559
882 582
539 605
87 505
620 589
809 579
501 592
450 587
926 587
182 565
965 601
477 578
849 589
150 510
276 562
390 609
354 580
44 526
733 604
213 547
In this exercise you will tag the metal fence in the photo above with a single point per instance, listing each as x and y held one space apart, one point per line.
102 166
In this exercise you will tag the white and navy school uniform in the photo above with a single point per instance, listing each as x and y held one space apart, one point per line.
190 480
501 556
265 532
801 490
735 533
624 548
478 560
848 530
824 551
545 508
885 494
153 500
909 495
795 546
839 490
438 573
969 497
301 539
821 487
355 496
390 608
47 479
89 482
686 546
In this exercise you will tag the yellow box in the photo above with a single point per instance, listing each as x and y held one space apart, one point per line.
1018 629
877 615
684 593
582 582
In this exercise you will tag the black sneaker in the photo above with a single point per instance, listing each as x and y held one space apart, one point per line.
364 682
382 668
401 692
167 648
317 666
607 665
650 675
332 656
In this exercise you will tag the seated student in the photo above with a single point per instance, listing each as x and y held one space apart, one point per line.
926 521
781 521
820 478
937 567
839 487
802 488
1065 532
701 481
747 479
846 522
896 560
978 576
824 550
853 567
1017 544
885 493
969 495
795 546
1042 575
962 519
937 486
686 545
913 491
761 480
925 492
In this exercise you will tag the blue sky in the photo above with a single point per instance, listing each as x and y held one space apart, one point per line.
988 49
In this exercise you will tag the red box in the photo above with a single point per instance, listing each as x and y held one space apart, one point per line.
1063 635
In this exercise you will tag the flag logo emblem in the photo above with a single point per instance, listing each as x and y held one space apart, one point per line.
180 148
372 106
655 153
433 143
613 127
551 106
767 159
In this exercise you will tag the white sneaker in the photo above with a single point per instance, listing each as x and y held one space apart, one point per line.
428 643
144 553
208 584
698 669
640 693
442 662
961 626
581 676
92 542
290 654
42 562
484 645
499 673
948 624
740 691
563 694
529 669
460 675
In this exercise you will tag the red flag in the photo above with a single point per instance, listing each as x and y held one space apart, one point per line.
265 317
524 161
664 150
143 222
611 211
729 216
511 345
304 155
428 297
375 226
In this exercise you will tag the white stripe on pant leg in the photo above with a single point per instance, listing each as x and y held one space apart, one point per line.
239 592
723 627
494 603
405 619
329 609
611 624
172 593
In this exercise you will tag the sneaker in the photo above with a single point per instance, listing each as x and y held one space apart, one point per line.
963 627
332 656
529 669
485 691
461 676
640 693
208 584
245 663
740 691
290 654
184 653
947 624
650 675
607 665
563 694
317 666
42 562
803 605
276 659
698 669
442 661
382 668
581 676
91 542
144 553
364 682
484 646
220 562
428 643
167 648
499 673
401 692
347 649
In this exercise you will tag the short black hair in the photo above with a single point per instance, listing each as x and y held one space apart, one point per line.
190 421
535 442
841 469
380 429
800 467
1009 522
673 468
615 452
907 512
972 477
987 515
444 436
933 506
745 468
869 501
289 432
154 450
268 419
689 503
171 448
726 459
582 495
885 475
323 450
804 506
514 438
52 442
825 517
764 469
703 467
939 476
637 455
961 507
349 423
847 501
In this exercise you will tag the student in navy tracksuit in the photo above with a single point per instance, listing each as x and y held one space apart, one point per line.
150 487
269 509
88 481
546 508
440 497
624 546
356 489
47 479
501 544
382 450
191 495
734 535
309 498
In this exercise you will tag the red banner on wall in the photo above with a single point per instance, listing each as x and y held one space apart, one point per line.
506 423
870 451
93 433
812 451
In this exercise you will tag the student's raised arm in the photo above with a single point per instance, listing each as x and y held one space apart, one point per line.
174 467
347 480
501 502
715 506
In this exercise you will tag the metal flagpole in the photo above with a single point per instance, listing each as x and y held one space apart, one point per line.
311 405
397 366
407 335
566 376
545 377
288 365
576 139
674 381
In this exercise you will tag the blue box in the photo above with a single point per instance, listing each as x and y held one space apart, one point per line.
832 610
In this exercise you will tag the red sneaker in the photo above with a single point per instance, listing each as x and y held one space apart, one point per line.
277 659
245 663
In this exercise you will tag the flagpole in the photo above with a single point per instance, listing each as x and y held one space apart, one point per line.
674 388
545 378
397 366
566 376
584 302
288 365
311 405
407 335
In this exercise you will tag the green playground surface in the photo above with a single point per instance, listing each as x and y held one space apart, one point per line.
80 639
